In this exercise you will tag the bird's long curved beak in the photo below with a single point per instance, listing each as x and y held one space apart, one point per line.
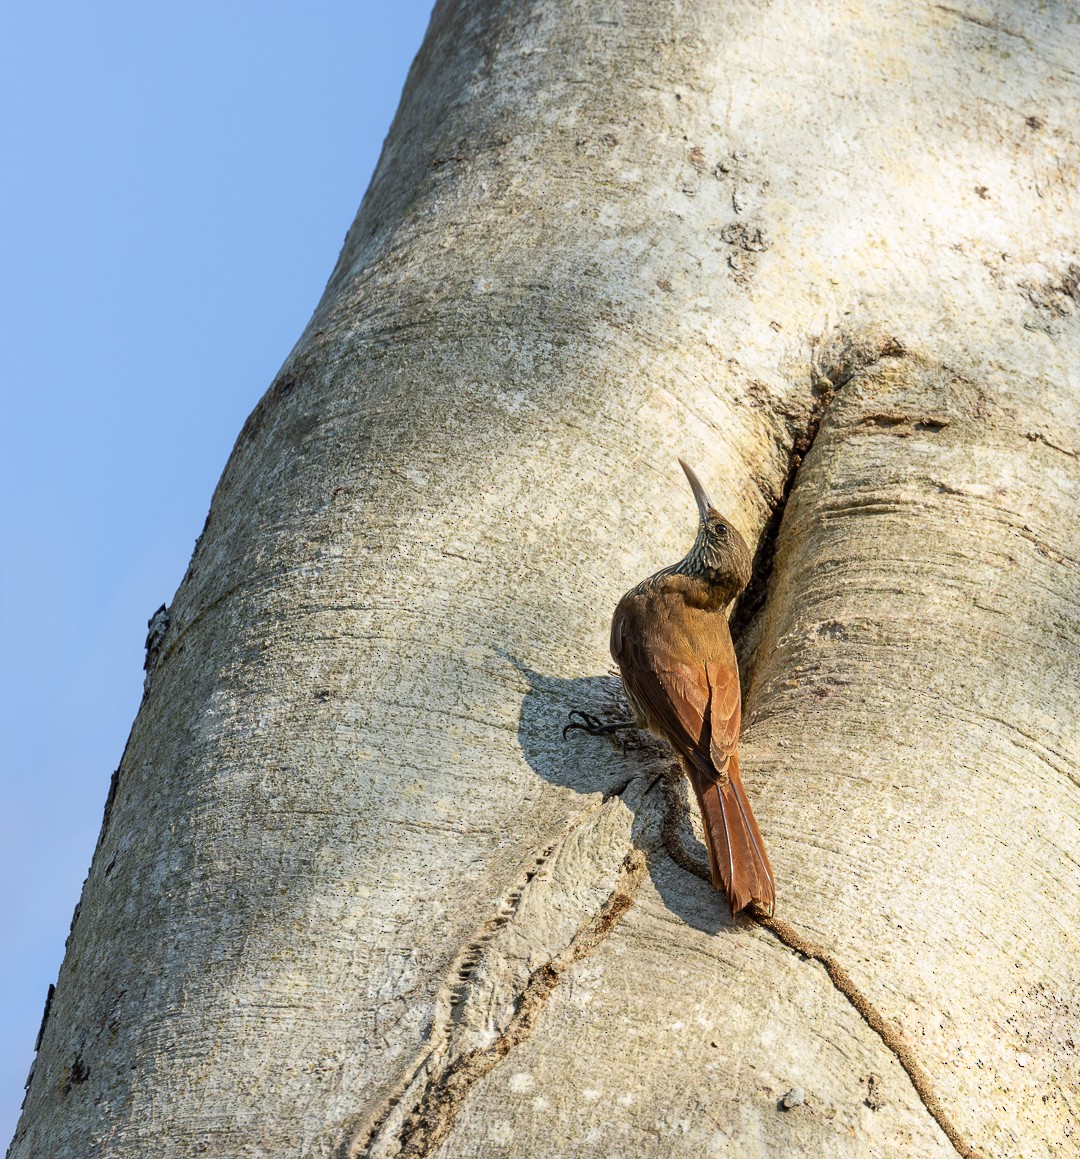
700 494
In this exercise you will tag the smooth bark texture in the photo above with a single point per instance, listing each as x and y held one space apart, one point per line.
354 895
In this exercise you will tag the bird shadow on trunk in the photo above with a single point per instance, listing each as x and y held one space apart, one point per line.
616 767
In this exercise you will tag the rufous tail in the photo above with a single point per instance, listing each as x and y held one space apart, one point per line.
740 865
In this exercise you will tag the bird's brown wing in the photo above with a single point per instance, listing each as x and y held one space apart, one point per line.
694 704
725 711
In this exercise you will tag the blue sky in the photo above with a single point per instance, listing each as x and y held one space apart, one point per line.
177 181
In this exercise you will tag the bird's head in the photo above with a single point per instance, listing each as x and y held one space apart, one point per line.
719 555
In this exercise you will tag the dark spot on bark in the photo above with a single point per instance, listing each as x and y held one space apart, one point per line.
1070 283
157 627
279 389
1059 296
45 1016
903 424
752 239
114 782
77 1074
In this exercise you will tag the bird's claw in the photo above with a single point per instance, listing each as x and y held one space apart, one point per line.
594 726
586 722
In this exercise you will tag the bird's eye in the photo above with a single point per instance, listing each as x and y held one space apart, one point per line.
721 530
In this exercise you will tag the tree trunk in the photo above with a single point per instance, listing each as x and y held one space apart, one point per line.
355 896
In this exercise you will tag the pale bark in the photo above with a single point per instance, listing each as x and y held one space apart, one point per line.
354 893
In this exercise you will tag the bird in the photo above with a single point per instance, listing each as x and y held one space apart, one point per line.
672 644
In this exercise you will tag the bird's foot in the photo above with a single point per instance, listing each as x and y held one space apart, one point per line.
594 726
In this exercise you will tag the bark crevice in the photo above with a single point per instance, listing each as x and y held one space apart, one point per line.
434 1087
834 363
446 1089
675 813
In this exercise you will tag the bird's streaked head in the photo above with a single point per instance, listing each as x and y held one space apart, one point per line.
719 554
